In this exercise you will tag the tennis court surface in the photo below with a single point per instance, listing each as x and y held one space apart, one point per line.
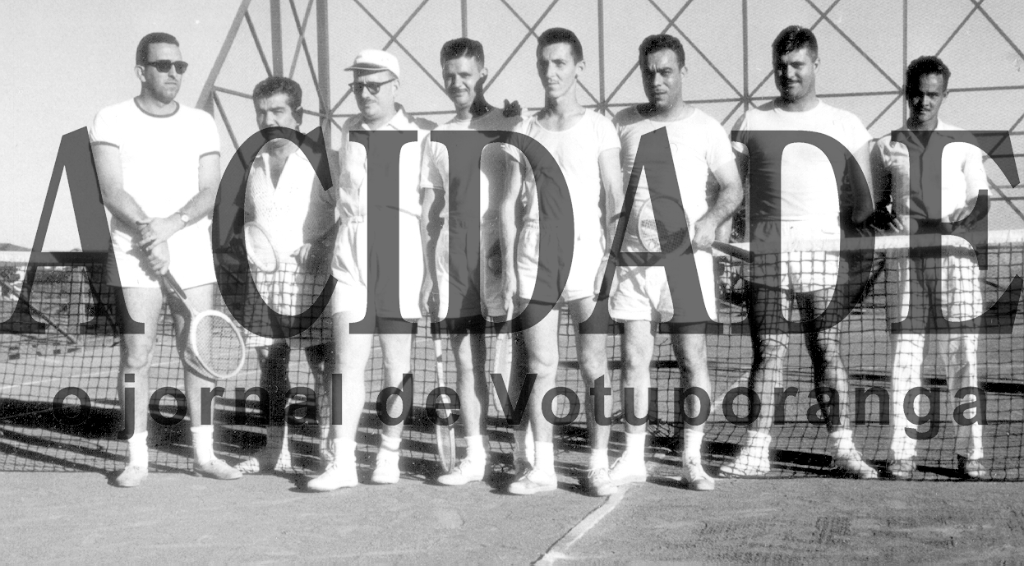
802 513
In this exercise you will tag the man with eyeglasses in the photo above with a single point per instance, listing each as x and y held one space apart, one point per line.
376 82
158 165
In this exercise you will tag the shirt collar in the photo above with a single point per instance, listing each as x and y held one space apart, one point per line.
400 121
940 130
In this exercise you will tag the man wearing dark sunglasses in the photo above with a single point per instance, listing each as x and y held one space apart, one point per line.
158 165
376 81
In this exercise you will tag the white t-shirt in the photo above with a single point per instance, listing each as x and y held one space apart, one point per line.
159 161
808 183
434 173
963 176
295 212
699 146
577 151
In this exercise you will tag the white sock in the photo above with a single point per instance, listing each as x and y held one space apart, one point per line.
692 439
841 441
202 442
344 451
598 459
634 446
544 456
524 449
392 443
475 448
138 450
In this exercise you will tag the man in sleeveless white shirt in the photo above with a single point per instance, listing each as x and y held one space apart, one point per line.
464 73
950 284
808 208
286 199
158 165
641 298
375 86
586 148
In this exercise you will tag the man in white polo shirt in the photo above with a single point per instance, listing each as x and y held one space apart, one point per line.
375 85
642 299
806 206
586 148
158 164
456 260
950 284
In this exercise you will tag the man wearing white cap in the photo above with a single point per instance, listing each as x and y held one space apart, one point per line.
376 82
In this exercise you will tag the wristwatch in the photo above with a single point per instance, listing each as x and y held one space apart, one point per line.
184 218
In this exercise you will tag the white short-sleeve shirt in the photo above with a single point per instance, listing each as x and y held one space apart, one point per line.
808 184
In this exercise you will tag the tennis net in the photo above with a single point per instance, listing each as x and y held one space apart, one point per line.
38 367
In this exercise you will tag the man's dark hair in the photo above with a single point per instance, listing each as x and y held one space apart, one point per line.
272 85
142 51
655 43
927 65
794 38
561 35
462 47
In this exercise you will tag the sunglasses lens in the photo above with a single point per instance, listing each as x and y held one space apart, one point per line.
164 66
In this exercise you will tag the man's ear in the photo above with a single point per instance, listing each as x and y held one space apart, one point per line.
297 114
140 72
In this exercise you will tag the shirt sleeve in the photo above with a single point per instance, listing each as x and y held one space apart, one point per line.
430 173
719 147
974 172
209 139
321 216
607 136
104 130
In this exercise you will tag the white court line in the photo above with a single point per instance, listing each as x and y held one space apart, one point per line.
558 551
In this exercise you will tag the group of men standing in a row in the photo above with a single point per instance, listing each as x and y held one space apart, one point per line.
158 165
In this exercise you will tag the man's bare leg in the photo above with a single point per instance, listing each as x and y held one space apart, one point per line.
831 378
770 344
637 350
144 305
592 354
470 361
541 343
692 354
397 350
351 354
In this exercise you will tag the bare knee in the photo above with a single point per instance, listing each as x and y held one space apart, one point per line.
137 353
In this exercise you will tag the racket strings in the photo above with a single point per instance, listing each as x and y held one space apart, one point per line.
259 248
218 346
655 235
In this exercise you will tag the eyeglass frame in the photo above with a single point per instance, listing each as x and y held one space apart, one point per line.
374 88
179 66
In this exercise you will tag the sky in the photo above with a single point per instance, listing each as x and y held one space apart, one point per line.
64 60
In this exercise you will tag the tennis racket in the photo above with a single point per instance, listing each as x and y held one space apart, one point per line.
216 347
651 232
501 363
444 434
259 248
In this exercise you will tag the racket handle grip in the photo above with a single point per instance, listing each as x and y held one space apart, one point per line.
173 285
